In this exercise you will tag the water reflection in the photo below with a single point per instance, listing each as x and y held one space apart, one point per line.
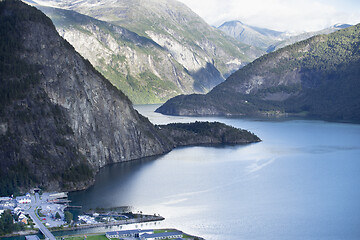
301 182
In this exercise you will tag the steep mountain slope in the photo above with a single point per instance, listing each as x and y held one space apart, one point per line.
195 48
319 77
297 38
60 120
254 36
138 66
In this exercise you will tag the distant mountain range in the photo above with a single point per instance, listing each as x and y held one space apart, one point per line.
318 77
152 50
269 40
297 38
254 36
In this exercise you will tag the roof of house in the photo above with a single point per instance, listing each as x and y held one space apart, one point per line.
32 237
5 198
163 234
124 232
22 197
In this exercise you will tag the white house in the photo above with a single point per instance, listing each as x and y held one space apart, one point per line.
21 216
127 233
17 210
5 199
120 234
23 199
87 219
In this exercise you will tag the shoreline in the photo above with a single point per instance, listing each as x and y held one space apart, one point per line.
168 229
119 223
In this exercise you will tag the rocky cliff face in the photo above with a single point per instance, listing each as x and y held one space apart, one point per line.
60 119
138 66
317 77
178 54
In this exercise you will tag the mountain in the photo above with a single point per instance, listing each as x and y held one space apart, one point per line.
152 50
267 39
254 36
60 120
318 77
300 37
136 65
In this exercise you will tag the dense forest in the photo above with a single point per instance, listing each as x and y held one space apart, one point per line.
200 133
7 224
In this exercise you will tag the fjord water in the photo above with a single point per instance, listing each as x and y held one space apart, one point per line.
301 182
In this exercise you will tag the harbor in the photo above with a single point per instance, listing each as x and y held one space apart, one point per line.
48 212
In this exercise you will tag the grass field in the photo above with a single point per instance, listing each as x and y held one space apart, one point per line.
88 237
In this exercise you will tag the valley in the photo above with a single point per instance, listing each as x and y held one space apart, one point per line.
241 132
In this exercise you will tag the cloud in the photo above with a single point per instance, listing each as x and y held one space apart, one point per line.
289 15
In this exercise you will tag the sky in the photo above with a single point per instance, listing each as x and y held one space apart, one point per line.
281 15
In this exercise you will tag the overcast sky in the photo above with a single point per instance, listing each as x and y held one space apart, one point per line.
282 15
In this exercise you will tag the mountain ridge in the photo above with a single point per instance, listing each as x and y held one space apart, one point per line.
268 39
255 36
300 37
318 77
193 57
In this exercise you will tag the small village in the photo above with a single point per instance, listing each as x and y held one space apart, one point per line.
48 212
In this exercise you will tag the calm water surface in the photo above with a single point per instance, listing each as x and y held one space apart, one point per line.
301 182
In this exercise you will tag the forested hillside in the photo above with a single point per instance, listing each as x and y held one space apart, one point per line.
318 77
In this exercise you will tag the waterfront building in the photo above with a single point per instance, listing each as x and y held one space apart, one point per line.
163 235
87 219
128 233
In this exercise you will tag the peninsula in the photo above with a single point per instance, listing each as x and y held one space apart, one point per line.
206 133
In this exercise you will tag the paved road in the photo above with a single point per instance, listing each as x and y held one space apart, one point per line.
42 228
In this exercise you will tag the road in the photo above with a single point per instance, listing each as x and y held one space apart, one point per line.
42 228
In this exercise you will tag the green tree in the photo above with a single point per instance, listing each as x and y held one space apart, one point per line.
57 215
7 224
68 217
